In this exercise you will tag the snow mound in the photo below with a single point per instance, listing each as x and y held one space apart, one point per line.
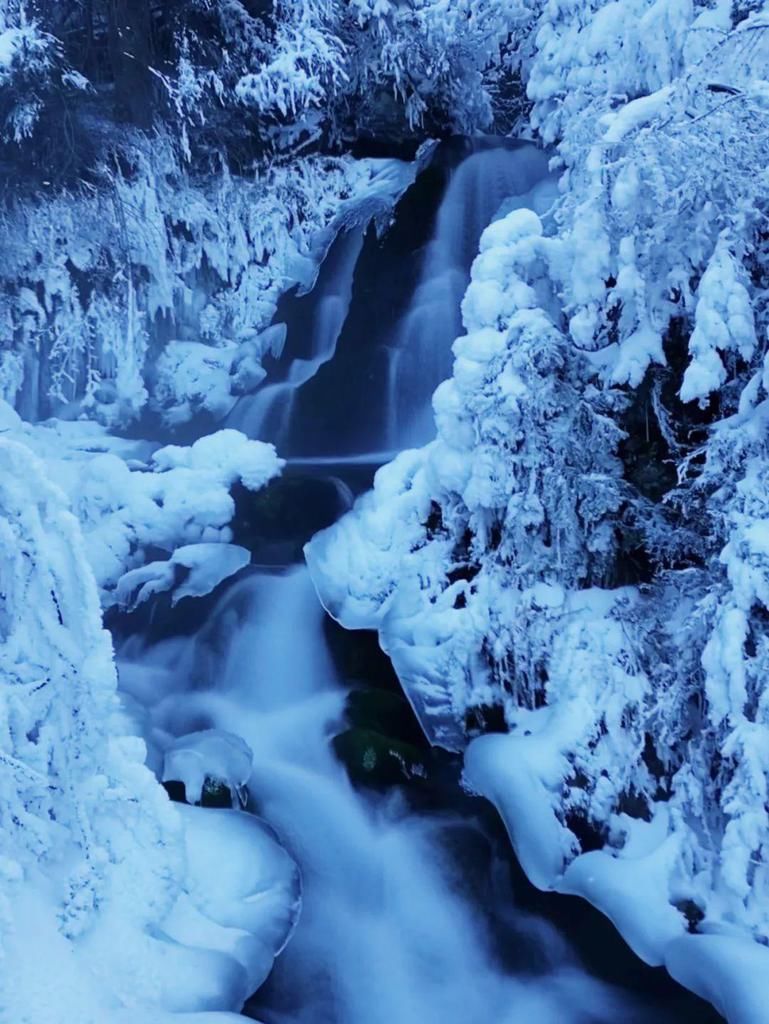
729 971
209 754
130 496
207 564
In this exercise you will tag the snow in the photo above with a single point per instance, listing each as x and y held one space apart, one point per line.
255 902
729 972
209 754
95 863
634 893
640 349
492 560
240 895
9 44
633 886
114 881
635 114
193 377
184 328
208 565
131 495
259 892
571 551
723 322
507 770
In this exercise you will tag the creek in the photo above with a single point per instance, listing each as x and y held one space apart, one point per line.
413 910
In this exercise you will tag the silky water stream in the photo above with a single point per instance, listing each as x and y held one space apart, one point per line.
393 928
410 914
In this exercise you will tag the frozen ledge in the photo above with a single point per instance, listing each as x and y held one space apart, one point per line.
730 972
631 887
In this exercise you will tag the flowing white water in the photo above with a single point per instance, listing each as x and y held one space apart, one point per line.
386 934
267 413
389 932
488 182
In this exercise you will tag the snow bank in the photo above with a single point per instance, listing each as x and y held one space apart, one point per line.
634 893
730 972
634 886
238 902
130 496
241 900
124 891
510 772
260 892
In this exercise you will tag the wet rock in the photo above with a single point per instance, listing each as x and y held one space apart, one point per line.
375 760
276 522
359 658
385 712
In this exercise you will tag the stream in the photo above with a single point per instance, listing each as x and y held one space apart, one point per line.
390 929
410 912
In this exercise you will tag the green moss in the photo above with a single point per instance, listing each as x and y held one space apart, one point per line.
375 760
215 794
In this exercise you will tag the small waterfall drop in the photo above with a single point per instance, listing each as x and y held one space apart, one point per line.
266 415
389 931
485 183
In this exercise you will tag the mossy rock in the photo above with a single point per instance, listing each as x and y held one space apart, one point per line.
386 713
215 794
372 759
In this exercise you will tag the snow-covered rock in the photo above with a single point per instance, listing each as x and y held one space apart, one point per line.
207 566
727 970
124 891
210 754
130 496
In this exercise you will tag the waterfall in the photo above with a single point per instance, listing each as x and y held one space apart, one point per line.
392 930
266 415
388 931
368 346
483 185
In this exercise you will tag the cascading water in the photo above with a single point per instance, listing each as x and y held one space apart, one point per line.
391 931
380 336
485 183
266 415
387 935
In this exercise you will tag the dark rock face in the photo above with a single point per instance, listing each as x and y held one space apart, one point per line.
359 659
276 522
377 760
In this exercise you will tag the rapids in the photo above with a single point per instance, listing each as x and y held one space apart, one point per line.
393 928
389 932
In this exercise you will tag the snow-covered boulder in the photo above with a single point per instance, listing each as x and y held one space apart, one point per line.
122 890
210 757
206 565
